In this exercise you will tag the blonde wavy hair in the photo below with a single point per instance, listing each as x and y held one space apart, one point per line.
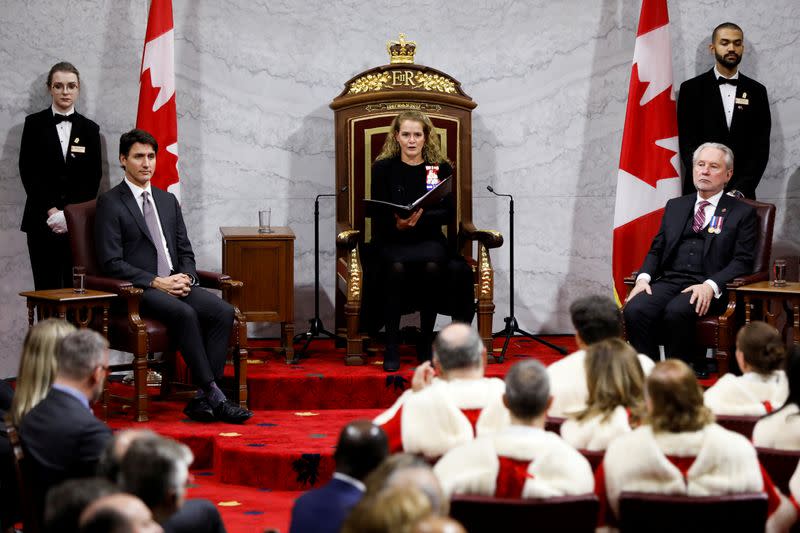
614 378
675 399
431 151
37 365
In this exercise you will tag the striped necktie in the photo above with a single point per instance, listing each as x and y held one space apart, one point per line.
700 216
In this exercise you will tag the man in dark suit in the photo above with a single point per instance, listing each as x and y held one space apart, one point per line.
140 237
706 239
725 106
61 437
59 163
362 446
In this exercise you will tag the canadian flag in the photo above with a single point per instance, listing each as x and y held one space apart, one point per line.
649 164
157 112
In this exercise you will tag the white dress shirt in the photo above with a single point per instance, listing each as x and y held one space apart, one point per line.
64 129
137 195
728 93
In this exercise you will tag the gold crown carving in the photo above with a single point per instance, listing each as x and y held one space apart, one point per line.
401 51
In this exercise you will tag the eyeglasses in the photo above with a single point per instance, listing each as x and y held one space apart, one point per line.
71 87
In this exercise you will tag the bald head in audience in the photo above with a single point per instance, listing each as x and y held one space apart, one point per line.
362 446
110 460
458 352
527 395
118 513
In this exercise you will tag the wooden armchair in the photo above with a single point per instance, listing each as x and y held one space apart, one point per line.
129 332
363 113
719 332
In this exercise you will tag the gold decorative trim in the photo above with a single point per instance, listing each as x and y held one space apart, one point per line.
354 278
398 106
434 82
487 275
346 233
369 83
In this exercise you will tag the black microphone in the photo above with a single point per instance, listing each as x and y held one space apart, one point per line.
491 190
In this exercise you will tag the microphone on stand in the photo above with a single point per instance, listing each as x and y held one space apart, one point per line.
511 321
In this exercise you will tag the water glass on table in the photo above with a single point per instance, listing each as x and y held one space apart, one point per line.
265 221
78 279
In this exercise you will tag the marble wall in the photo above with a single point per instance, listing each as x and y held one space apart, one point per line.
254 80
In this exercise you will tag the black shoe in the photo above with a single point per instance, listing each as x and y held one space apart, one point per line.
199 410
700 370
391 359
231 413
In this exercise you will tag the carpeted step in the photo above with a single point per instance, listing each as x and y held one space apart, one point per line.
322 381
277 450
244 509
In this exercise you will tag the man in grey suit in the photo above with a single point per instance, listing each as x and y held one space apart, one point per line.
141 237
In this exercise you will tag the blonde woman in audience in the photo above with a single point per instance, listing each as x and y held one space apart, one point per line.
393 510
615 404
37 365
763 386
781 428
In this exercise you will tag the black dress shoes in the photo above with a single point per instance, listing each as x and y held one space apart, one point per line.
701 370
199 410
231 413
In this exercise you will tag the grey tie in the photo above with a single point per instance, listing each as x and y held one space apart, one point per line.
155 234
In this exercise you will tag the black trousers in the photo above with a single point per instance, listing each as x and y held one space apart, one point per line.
667 316
51 260
201 325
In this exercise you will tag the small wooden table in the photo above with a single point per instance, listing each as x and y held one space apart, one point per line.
775 301
67 304
264 262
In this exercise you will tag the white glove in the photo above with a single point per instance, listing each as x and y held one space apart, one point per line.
57 222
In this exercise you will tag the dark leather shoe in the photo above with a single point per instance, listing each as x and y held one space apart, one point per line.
700 370
231 413
391 359
199 410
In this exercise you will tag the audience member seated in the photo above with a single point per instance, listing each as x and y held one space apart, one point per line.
109 464
616 396
61 437
438 524
523 460
156 470
118 513
394 510
37 370
449 402
66 502
595 318
361 448
781 428
681 451
762 386
385 487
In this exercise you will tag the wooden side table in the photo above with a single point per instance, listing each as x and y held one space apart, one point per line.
774 301
78 308
265 263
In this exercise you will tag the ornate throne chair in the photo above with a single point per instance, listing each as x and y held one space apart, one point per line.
363 112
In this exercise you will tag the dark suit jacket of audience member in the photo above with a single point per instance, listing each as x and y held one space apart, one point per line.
324 510
124 247
9 504
196 516
701 118
61 440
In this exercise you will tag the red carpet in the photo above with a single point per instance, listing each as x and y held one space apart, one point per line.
255 471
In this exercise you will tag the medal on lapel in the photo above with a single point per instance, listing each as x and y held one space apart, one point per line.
715 225
431 176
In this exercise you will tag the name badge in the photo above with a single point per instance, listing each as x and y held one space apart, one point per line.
742 101
77 149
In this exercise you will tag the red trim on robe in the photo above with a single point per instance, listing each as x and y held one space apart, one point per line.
794 502
473 415
511 477
393 430
767 406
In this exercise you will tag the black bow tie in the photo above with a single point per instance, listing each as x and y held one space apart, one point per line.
61 118
731 81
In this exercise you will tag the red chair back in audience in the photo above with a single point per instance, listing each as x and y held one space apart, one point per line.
655 513
780 465
482 514
30 514
740 424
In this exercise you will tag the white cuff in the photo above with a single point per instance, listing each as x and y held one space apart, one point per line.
717 292
643 276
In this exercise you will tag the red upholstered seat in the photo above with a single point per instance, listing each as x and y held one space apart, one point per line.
742 513
480 514
780 464
740 424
